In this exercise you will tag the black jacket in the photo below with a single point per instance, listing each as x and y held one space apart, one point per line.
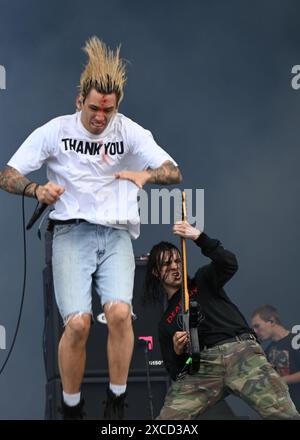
221 319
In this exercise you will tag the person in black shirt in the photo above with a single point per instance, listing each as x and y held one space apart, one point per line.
280 352
232 361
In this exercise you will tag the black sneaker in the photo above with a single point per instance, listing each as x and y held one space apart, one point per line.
72 412
114 406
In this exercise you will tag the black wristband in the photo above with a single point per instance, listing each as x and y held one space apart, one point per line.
25 187
35 189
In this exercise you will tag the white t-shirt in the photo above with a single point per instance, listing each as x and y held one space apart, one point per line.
84 164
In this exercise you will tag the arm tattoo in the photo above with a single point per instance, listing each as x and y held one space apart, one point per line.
14 182
166 174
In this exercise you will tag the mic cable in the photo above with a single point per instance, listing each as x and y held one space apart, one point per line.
24 283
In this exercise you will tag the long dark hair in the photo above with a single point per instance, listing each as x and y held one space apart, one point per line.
153 283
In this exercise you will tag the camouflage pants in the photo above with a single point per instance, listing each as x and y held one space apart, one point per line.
240 368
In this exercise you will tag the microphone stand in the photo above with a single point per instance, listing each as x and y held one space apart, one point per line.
149 388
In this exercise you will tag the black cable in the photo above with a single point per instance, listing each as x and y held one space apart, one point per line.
47 416
24 282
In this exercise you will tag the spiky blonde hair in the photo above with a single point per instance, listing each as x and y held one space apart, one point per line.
105 71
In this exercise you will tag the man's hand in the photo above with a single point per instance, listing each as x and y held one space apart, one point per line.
180 340
291 378
49 193
140 178
185 230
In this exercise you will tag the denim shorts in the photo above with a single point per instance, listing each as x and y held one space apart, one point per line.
86 255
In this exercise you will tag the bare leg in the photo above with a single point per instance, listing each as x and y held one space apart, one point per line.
72 352
120 341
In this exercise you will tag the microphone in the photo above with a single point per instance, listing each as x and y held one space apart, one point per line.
40 208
